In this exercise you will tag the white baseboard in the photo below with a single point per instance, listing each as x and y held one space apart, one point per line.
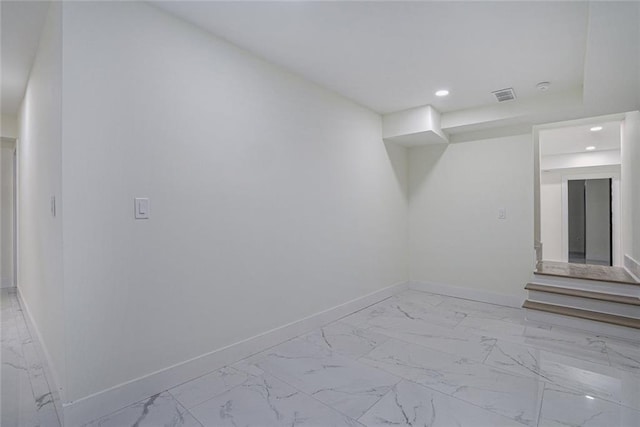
51 375
88 408
632 266
469 293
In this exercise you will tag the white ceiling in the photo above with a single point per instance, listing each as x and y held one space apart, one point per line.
22 23
575 139
390 56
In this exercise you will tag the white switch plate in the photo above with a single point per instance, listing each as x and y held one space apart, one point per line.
141 207
502 213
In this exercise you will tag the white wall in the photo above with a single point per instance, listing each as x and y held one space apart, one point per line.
8 126
631 187
581 160
40 279
456 237
551 206
7 148
271 198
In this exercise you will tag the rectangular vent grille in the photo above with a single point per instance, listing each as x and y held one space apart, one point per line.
504 94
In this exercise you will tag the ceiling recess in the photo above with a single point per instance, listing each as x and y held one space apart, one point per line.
503 95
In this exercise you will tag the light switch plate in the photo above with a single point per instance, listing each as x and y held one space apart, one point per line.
141 205
502 213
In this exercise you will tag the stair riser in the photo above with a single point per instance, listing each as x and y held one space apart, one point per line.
586 304
596 328
589 285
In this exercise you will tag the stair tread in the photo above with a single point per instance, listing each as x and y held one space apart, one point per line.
601 296
584 271
583 314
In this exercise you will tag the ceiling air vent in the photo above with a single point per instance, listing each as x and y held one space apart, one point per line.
505 94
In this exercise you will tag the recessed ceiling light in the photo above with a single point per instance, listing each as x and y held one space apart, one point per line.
590 148
442 92
596 128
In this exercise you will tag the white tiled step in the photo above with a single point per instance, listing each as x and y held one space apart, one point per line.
611 288
586 300
583 314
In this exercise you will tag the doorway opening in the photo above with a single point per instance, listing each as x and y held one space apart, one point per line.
589 218
578 206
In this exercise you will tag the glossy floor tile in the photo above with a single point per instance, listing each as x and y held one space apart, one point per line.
562 408
343 383
26 399
409 404
267 401
504 393
413 359
159 410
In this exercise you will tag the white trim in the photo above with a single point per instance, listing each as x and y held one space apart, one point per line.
51 375
469 293
616 245
107 401
632 266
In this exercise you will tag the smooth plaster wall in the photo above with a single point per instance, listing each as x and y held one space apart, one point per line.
455 192
40 275
631 184
8 126
271 198
581 160
7 149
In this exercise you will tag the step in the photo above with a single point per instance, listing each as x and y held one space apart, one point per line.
597 273
601 296
593 327
619 305
588 285
583 314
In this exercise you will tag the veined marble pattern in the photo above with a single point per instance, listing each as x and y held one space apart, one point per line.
346 339
410 404
344 384
589 378
208 386
25 396
267 401
397 307
624 355
159 410
561 408
498 391
586 271
456 341
413 359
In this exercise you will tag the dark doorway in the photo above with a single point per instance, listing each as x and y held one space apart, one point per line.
590 221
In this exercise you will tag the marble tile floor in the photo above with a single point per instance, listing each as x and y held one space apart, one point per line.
413 359
26 399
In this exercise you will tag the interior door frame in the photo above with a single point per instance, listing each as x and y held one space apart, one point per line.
616 244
